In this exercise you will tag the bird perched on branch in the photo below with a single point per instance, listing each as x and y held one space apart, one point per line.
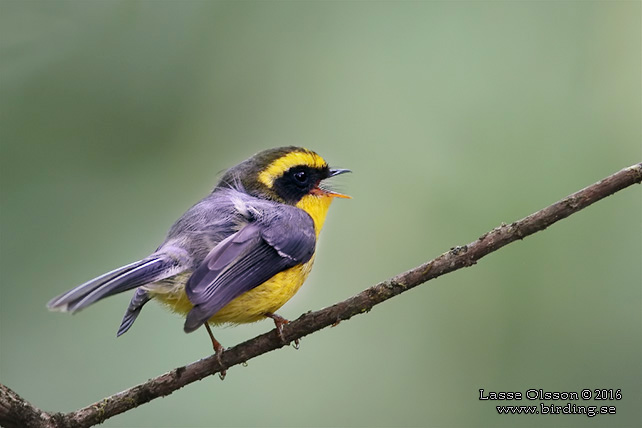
237 255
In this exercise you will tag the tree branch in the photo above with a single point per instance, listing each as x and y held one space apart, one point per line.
15 411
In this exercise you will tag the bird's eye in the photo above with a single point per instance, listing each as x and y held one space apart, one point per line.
301 177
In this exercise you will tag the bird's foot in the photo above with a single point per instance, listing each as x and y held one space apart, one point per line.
279 322
218 351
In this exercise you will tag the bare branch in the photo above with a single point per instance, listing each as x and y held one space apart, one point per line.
14 411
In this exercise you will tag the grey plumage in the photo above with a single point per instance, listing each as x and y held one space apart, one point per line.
236 238
141 296
122 279
281 236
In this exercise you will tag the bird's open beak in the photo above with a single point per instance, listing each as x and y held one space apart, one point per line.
326 192
338 171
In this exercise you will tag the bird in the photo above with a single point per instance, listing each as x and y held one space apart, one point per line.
234 257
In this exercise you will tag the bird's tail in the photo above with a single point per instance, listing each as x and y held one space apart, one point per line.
118 280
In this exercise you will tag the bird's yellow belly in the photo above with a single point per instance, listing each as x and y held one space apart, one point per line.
249 307
252 305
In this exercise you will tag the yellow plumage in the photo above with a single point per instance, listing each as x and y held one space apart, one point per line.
268 297
282 164
253 204
250 306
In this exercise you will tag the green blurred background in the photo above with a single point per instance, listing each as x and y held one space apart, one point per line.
454 117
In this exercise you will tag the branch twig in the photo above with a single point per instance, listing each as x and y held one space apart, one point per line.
16 412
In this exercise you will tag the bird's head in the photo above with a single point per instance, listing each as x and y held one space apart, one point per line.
288 175
283 174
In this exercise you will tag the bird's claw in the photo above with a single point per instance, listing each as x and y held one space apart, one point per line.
279 322
218 351
218 354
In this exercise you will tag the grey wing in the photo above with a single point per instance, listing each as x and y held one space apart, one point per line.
248 258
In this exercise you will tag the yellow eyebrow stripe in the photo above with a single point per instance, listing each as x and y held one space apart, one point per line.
278 167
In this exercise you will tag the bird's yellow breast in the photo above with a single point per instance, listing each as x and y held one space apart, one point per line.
268 297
